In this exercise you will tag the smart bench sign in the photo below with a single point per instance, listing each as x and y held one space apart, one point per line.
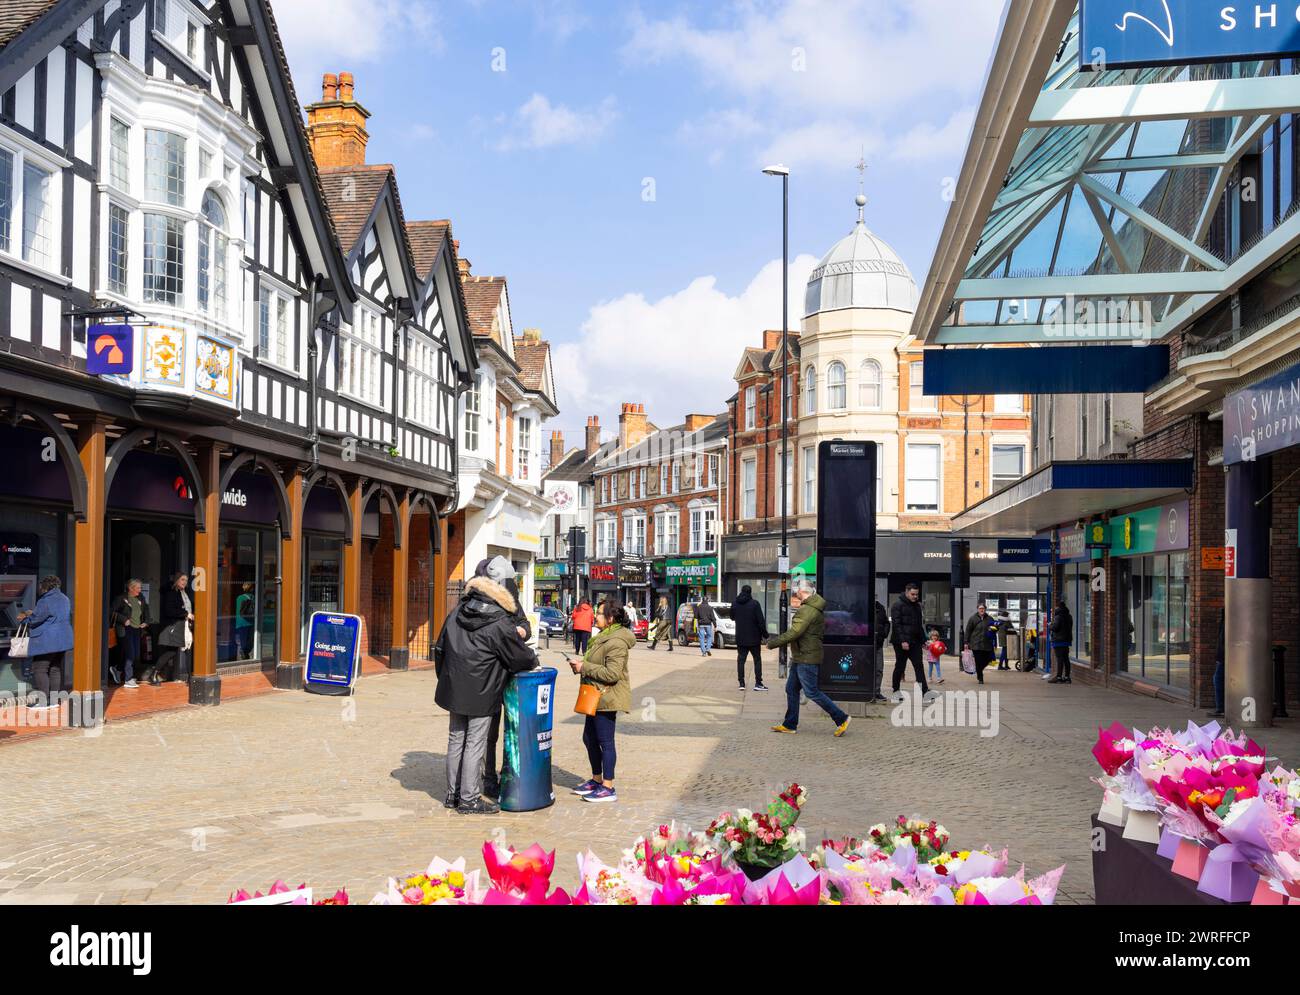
332 653
1115 34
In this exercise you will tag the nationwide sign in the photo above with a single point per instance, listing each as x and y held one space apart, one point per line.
1115 34
110 349
1262 419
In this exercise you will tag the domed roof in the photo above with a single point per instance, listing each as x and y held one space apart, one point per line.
861 271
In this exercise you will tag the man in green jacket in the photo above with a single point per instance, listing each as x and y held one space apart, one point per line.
804 637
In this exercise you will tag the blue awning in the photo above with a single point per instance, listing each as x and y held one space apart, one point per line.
1063 493
1086 369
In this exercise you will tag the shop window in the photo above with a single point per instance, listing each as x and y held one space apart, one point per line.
1155 638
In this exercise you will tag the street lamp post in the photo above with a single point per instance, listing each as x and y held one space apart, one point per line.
784 173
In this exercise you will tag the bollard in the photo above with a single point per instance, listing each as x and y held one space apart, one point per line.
1279 682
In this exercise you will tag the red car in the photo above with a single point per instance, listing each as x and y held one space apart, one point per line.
641 629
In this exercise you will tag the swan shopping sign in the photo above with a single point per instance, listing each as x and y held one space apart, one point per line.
1121 33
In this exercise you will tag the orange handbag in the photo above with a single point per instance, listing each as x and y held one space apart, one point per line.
588 699
112 637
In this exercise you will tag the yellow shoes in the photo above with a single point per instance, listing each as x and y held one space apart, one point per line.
841 729
788 732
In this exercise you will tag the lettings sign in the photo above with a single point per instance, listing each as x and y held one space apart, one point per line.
1116 34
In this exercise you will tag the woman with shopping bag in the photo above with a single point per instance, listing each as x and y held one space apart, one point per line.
49 636
604 668
178 629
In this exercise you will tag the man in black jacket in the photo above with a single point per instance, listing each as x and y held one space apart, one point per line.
501 570
908 636
478 651
751 634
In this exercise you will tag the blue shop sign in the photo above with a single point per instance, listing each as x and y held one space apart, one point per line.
1025 550
110 349
1262 419
1122 33
333 640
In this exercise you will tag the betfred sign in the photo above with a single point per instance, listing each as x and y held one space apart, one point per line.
1115 34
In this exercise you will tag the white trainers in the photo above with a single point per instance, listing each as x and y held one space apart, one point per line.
132 683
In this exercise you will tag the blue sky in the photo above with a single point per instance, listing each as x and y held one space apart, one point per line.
605 157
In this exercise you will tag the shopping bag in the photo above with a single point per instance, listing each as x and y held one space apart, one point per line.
588 699
112 637
19 641
967 661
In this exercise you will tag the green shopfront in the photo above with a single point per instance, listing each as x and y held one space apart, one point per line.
691 579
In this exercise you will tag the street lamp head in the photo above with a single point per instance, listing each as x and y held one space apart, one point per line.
776 171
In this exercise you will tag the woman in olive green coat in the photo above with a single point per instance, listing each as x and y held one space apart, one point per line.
605 667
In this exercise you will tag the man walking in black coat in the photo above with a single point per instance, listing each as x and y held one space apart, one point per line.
908 636
751 634
478 651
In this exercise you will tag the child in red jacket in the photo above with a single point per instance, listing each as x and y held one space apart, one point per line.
934 651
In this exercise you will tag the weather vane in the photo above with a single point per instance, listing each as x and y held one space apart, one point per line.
861 200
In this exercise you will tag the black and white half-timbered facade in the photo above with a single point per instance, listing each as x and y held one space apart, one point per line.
203 371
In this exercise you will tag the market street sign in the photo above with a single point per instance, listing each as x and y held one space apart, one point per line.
1115 34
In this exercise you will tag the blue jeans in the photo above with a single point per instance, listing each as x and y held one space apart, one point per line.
130 645
706 639
804 675
598 738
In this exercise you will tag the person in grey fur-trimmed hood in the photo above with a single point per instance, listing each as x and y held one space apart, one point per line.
477 652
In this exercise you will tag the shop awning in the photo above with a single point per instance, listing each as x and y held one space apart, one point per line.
1063 493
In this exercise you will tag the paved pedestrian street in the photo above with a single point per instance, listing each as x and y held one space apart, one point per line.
189 805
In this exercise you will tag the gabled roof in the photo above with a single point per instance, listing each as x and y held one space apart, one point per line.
351 192
482 299
427 239
577 465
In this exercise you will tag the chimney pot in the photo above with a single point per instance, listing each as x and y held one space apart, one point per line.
330 87
346 83
336 126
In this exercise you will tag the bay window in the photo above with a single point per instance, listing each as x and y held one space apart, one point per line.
164 259
810 391
361 355
119 224
212 257
869 385
523 453
164 167
119 154
422 361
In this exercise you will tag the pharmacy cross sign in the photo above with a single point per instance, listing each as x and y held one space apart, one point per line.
1116 34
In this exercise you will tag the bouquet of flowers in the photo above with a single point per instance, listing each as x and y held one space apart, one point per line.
960 866
339 897
442 884
766 839
926 839
1008 891
520 878
604 885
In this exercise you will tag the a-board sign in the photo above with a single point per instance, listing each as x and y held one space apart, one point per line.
333 651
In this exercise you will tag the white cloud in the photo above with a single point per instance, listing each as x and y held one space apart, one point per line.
925 141
674 355
350 31
826 77
539 124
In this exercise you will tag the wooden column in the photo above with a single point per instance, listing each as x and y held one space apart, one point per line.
352 553
289 670
88 582
399 653
205 685
441 578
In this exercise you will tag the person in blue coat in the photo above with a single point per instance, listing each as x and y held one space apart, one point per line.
49 625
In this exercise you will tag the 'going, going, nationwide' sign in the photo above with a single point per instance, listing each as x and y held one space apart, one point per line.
1116 34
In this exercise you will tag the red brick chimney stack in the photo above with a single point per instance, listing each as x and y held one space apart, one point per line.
336 125
633 426
593 435
557 448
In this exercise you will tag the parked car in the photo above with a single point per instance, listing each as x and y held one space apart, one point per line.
725 633
641 629
553 621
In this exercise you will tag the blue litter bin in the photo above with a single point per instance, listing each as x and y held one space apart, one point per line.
526 773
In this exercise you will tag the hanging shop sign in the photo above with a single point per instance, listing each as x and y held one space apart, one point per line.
1025 550
332 653
110 350
1116 34
563 496
1072 545
1098 536
692 571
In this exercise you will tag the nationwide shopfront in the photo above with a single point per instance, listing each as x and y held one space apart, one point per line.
550 583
